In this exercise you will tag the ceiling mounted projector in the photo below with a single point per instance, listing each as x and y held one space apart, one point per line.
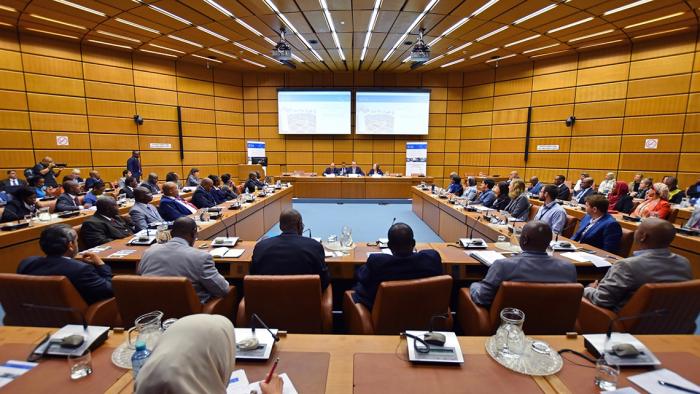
282 51
420 52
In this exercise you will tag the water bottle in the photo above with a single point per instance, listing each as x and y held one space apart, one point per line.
140 356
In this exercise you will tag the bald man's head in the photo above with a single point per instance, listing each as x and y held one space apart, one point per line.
206 183
107 206
401 240
170 189
142 195
291 222
186 228
536 236
654 233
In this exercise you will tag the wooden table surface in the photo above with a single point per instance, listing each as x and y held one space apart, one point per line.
386 187
342 349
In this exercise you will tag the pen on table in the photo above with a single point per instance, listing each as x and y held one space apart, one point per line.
673 386
272 370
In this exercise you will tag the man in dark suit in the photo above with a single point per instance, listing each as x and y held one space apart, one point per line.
68 201
354 169
129 185
402 264
133 164
202 197
91 276
598 228
143 213
45 169
12 183
23 203
586 190
331 170
92 179
563 192
105 225
172 206
151 183
290 253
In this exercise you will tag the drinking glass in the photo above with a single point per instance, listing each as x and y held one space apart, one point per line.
28 219
606 375
44 214
80 366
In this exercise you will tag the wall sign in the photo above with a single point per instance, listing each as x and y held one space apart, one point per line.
160 145
547 147
62 140
651 143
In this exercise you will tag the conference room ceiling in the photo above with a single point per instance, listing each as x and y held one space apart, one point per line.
463 34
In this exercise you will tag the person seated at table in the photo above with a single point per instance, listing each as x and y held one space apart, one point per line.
220 193
203 196
22 204
179 257
252 183
502 200
228 186
598 228
511 176
563 191
470 191
519 205
375 171
354 169
172 206
535 186
619 198
675 194
694 220
173 177
456 186
577 186
143 213
487 196
693 190
91 180
644 187
129 185
330 170
655 204
68 201
550 212
608 183
402 264
290 253
105 225
636 182
90 276
122 181
98 189
151 183
532 265
652 262
76 175
193 177
12 183
586 190
39 185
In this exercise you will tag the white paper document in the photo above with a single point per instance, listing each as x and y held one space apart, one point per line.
238 384
225 252
486 257
13 369
583 257
649 381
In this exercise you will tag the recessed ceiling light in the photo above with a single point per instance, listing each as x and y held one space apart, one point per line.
540 48
487 35
185 41
534 14
626 7
289 24
271 58
253 63
600 33
572 24
459 48
548 53
169 14
106 33
655 20
166 48
213 33
483 8
498 58
420 16
57 21
157 53
483 53
251 50
136 25
297 58
223 53
599 44
81 7
523 40
331 26
372 21
433 59
207 59
6 8
111 44
5 24
452 63
449 30
220 8
659 33
52 33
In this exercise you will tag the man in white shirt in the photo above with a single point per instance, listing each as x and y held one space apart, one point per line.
608 183
11 184
577 186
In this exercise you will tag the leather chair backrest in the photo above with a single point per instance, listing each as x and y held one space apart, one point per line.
680 299
570 226
550 308
51 204
137 295
626 242
287 302
409 304
533 211
16 291
81 241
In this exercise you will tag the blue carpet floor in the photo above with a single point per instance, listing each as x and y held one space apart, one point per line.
368 219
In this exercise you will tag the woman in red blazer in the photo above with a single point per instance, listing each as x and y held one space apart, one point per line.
656 203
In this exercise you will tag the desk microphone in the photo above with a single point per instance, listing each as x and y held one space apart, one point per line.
435 338
566 228
392 222
307 229
257 318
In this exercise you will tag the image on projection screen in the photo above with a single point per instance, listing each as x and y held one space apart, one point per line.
392 112
313 112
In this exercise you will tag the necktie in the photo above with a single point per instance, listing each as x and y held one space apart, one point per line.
76 201
13 182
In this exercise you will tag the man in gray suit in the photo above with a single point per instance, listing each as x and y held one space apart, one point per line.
653 262
179 258
532 265
143 212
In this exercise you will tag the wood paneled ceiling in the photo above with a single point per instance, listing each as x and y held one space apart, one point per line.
463 34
